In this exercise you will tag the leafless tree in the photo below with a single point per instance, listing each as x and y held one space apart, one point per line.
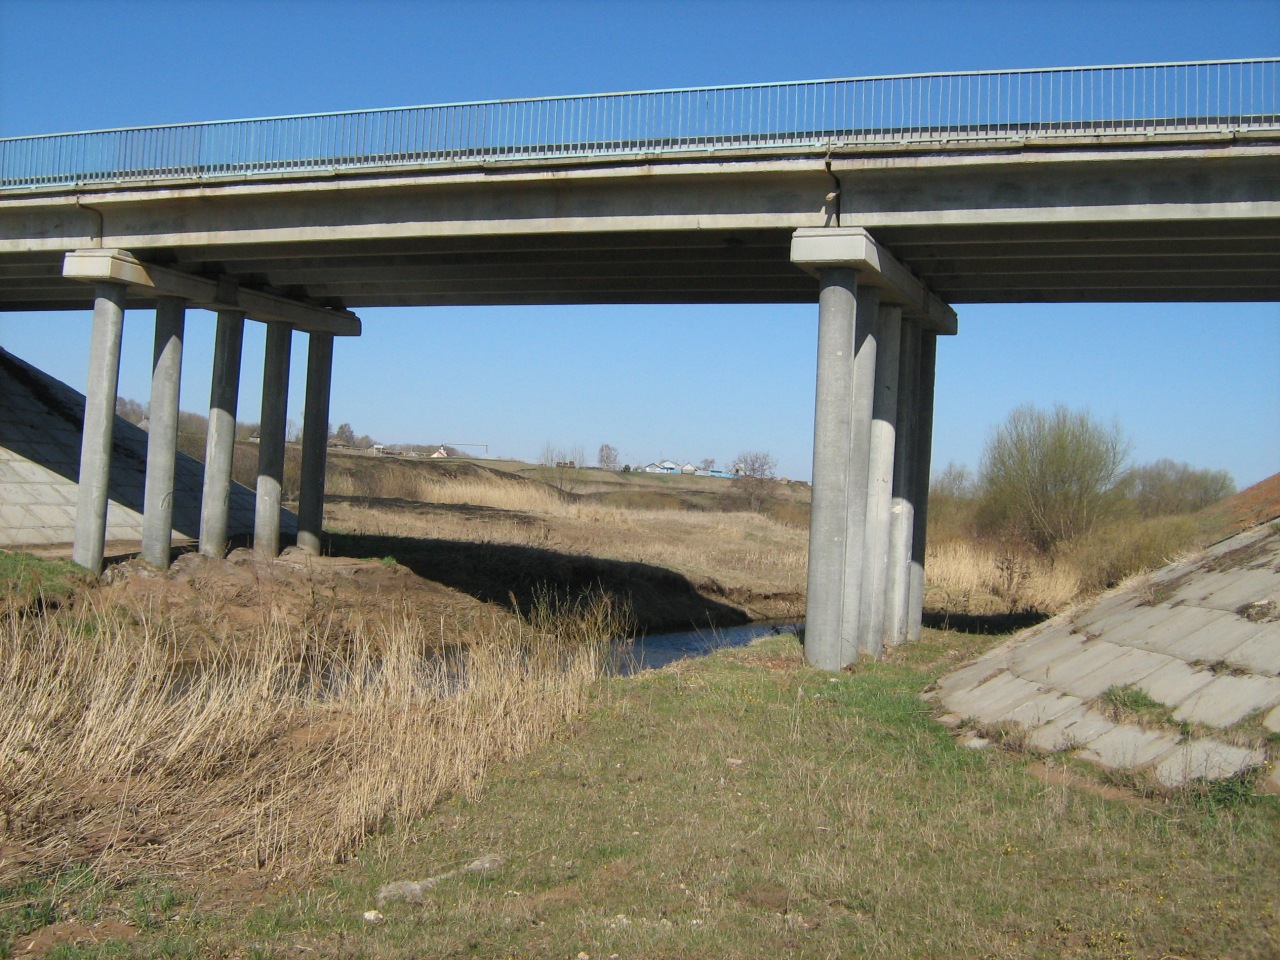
756 470
607 457
708 463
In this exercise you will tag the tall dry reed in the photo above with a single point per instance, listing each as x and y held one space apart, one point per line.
114 751
966 577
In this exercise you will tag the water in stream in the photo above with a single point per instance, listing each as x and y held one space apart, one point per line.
660 649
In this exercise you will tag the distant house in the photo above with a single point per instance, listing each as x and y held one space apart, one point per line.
689 469
440 454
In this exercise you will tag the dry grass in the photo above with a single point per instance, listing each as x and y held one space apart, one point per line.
968 578
117 752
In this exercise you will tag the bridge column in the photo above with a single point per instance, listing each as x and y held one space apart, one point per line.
271 437
162 434
221 443
99 419
876 542
902 513
315 442
922 450
837 315
857 494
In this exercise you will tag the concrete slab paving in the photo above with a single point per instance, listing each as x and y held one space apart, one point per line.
985 700
1247 586
1205 760
1228 700
1143 628
1066 675
1216 640
1272 722
1128 747
1043 708
1260 655
1076 728
1045 650
1211 653
1131 666
1174 682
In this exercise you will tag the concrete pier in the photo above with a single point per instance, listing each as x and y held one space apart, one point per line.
837 309
866 343
271 434
315 442
220 447
862 525
162 432
99 417
902 511
922 456
876 541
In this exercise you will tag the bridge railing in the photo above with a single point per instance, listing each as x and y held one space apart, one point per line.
1211 96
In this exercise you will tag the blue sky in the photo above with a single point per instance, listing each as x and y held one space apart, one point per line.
1194 382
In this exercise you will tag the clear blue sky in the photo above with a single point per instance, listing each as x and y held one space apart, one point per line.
1194 382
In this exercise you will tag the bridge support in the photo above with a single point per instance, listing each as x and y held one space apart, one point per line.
271 438
99 419
922 449
871 433
876 544
220 445
315 442
162 433
902 510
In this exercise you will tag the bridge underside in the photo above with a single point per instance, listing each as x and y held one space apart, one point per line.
1171 261
881 242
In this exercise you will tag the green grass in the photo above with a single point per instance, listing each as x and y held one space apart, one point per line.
746 806
27 581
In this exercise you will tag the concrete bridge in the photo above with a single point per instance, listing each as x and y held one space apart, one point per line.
886 200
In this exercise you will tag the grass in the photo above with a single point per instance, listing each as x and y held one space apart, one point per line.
742 806
746 806
30 583
124 758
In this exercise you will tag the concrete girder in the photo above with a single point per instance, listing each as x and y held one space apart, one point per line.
121 267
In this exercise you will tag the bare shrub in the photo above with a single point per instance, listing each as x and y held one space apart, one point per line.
1165 488
1051 477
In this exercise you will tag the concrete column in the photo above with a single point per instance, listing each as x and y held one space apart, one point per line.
315 442
923 450
99 418
275 398
221 445
837 311
162 435
884 417
866 342
902 513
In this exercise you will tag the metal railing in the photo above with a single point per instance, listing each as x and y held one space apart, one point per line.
1213 96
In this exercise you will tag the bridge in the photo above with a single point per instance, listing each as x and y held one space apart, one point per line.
885 199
